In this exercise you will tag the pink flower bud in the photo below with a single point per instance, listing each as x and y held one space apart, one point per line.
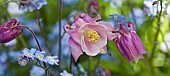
9 31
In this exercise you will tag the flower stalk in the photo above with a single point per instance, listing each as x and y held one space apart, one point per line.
60 17
45 66
39 25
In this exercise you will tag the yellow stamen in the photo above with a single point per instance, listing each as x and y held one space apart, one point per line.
40 57
93 36
30 55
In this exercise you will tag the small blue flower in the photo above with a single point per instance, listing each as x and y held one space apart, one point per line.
65 73
51 60
25 5
37 71
29 53
118 19
39 56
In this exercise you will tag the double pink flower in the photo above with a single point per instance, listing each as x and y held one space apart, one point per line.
89 36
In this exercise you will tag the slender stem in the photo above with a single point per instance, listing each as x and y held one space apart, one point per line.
98 62
89 65
156 37
158 30
60 17
37 43
71 61
39 25
33 36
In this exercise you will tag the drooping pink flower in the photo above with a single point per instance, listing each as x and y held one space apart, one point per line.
129 44
9 31
136 39
89 36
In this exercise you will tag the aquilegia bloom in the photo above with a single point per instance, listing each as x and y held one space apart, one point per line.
89 36
27 5
9 31
129 43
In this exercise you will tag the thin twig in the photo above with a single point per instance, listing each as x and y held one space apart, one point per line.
71 61
39 25
59 51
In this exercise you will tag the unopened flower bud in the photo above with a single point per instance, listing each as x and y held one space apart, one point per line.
22 61
9 31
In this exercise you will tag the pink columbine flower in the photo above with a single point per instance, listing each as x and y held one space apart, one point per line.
9 31
136 39
129 44
89 36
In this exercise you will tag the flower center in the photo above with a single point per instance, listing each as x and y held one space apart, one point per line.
30 55
93 36
40 57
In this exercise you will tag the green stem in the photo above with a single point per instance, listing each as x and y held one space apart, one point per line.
89 60
156 37
158 30
97 64
71 61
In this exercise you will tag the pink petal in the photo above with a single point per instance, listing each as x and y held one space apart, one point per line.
136 39
76 50
138 43
79 22
102 40
130 48
73 33
122 50
109 26
88 47
110 34
103 50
